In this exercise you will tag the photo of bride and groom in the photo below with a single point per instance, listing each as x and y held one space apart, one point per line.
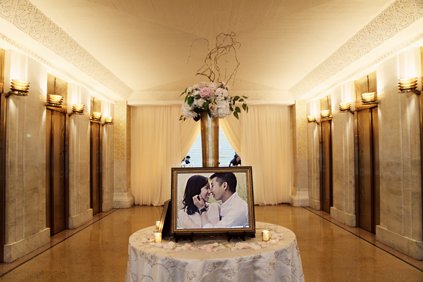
215 201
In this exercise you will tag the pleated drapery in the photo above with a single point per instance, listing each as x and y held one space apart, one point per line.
262 137
266 145
158 142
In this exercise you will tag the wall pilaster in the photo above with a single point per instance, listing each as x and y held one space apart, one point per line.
300 192
79 170
122 197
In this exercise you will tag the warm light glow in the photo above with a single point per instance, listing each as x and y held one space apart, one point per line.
345 106
19 87
368 97
407 84
78 108
324 113
265 235
18 66
55 99
108 119
157 237
311 118
408 63
96 116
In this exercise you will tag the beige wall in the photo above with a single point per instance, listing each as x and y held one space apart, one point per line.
26 161
399 161
25 164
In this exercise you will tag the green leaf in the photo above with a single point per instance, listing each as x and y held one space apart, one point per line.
190 100
236 114
244 107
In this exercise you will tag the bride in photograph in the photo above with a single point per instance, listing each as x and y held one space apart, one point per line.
198 189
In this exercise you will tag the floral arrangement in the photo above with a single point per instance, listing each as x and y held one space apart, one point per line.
212 98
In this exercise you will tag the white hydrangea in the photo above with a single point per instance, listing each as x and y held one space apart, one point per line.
186 111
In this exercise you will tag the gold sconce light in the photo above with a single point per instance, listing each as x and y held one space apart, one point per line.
96 116
344 106
325 113
19 87
108 119
368 97
54 99
78 108
311 118
407 85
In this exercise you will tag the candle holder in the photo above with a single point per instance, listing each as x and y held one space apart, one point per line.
265 235
157 237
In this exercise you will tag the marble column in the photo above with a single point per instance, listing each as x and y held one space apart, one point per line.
122 197
26 167
79 170
313 145
107 166
343 209
300 191
400 166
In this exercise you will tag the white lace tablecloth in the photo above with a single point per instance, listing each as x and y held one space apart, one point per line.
215 259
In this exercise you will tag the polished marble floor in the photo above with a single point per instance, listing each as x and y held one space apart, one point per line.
329 250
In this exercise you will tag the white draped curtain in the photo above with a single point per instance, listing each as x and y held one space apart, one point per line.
159 141
262 137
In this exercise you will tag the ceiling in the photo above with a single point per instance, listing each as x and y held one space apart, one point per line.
155 47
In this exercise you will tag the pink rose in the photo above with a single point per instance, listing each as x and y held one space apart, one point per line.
206 92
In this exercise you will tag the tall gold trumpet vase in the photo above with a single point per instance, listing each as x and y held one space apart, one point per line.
210 140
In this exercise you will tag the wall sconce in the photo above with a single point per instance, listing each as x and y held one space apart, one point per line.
108 119
311 118
324 113
406 85
19 87
78 108
96 116
368 97
55 100
345 106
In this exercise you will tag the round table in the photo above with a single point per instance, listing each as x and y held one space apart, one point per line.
211 259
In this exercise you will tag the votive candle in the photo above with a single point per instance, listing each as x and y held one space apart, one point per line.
265 235
157 225
157 237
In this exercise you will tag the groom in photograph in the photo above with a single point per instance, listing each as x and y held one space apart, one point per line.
233 209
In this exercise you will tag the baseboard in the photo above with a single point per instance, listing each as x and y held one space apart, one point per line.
300 199
123 200
343 217
19 249
406 245
79 219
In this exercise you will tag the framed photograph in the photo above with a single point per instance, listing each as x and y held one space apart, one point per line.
213 201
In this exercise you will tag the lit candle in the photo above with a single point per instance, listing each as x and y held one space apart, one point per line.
157 237
157 225
266 235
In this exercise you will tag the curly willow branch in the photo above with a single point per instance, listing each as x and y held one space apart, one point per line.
225 44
